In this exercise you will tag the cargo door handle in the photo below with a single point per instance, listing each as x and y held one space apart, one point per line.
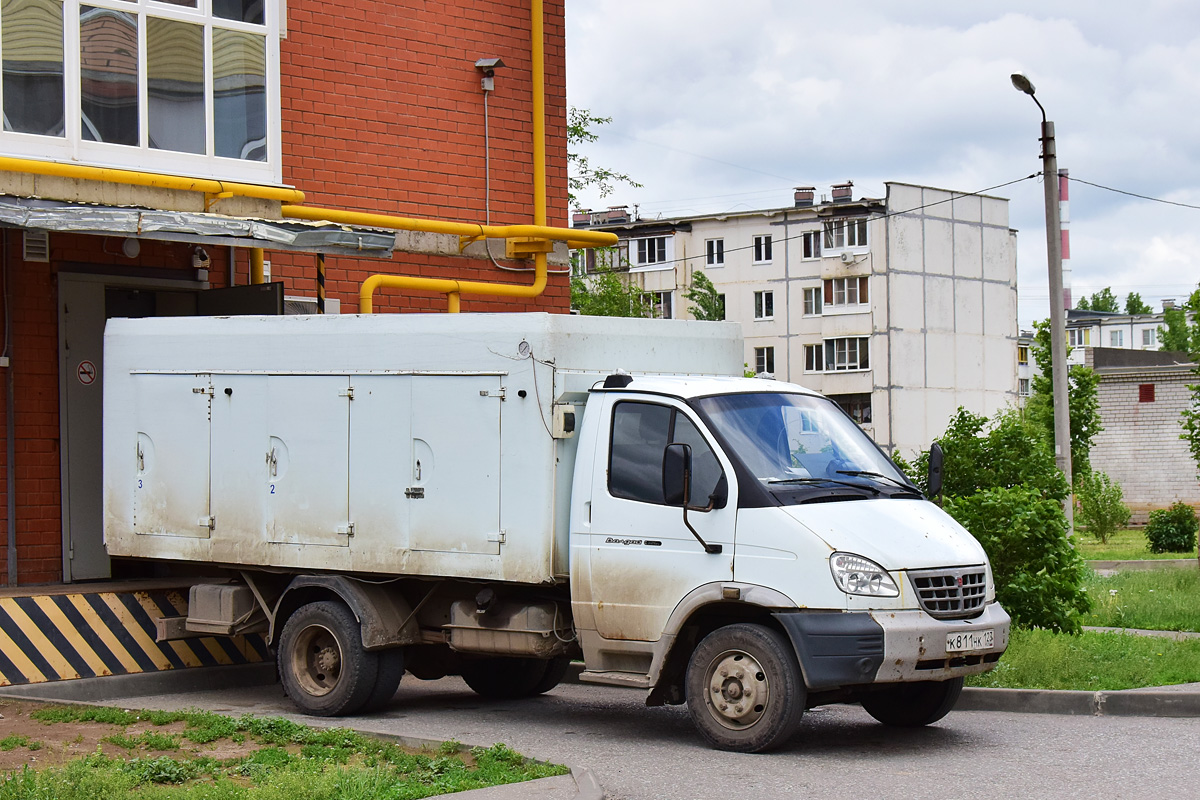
272 463
417 471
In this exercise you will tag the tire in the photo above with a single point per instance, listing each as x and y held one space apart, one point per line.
504 678
322 664
745 691
912 705
556 670
391 670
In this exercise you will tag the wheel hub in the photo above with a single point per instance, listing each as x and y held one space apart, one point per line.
738 689
316 660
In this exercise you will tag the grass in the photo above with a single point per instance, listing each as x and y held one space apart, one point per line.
1128 544
1039 659
14 741
281 760
1161 600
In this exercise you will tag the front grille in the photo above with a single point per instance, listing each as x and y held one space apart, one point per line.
951 593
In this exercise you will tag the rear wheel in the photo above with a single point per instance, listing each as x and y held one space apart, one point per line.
502 677
322 664
911 705
556 670
744 688
391 670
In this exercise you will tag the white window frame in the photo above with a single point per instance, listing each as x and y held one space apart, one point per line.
72 147
1149 337
842 356
763 249
814 301
1079 337
641 259
661 305
714 252
814 358
1022 355
764 301
1116 338
1023 387
811 246
764 360
848 233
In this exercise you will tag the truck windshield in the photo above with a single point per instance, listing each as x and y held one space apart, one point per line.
784 438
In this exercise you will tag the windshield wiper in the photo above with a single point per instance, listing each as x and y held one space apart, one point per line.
878 475
806 481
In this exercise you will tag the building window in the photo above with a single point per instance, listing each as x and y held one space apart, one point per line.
858 406
1116 338
813 357
650 251
715 249
179 86
1145 392
812 244
847 353
1079 337
764 305
1023 387
1023 354
846 291
762 249
842 233
1148 337
764 360
660 305
812 301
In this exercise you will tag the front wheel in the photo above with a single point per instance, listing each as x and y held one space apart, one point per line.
912 705
745 692
322 663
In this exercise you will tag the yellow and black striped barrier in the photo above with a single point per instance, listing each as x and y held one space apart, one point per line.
60 634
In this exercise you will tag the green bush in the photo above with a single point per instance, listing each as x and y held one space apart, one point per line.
1002 485
1172 530
1101 511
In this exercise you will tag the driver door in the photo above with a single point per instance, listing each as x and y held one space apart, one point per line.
643 559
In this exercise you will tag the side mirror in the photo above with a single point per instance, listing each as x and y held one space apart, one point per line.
936 458
677 474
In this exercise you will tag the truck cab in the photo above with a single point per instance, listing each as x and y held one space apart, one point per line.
724 522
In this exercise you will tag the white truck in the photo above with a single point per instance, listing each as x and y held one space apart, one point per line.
496 495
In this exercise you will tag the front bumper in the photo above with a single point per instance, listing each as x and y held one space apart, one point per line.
850 648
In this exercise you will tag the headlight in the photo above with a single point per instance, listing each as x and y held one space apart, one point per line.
857 575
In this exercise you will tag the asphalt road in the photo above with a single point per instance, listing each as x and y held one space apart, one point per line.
640 753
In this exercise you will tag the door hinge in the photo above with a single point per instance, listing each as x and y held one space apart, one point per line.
347 392
414 492
498 393
207 522
496 537
346 530
208 390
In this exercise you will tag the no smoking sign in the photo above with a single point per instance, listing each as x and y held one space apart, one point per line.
86 372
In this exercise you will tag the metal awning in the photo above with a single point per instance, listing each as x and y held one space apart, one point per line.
196 227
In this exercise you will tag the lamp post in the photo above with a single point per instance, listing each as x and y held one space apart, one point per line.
1058 315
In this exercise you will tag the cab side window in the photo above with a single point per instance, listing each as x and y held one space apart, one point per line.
640 434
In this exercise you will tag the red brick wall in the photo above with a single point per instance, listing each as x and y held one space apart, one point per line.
382 112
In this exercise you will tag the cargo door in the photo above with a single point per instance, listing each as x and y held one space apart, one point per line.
307 459
240 457
171 493
454 489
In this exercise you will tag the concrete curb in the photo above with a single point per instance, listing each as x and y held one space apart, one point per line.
1126 703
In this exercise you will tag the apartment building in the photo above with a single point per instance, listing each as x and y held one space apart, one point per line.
901 308
218 156
1112 330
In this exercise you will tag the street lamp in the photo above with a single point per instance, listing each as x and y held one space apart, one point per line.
1058 321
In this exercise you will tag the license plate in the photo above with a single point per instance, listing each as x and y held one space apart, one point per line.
964 641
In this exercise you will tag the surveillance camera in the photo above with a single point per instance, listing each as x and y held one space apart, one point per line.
488 66
200 258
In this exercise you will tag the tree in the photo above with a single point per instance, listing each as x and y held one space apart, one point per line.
606 294
1173 334
1101 510
1134 304
1103 300
1083 401
708 304
1084 304
580 172
1002 485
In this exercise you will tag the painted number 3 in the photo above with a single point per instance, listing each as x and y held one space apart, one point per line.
139 483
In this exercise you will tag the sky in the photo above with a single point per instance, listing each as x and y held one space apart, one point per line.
719 105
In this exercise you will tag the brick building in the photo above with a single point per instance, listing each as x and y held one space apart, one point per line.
1142 394
187 156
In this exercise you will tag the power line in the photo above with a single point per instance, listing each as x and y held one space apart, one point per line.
1133 194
